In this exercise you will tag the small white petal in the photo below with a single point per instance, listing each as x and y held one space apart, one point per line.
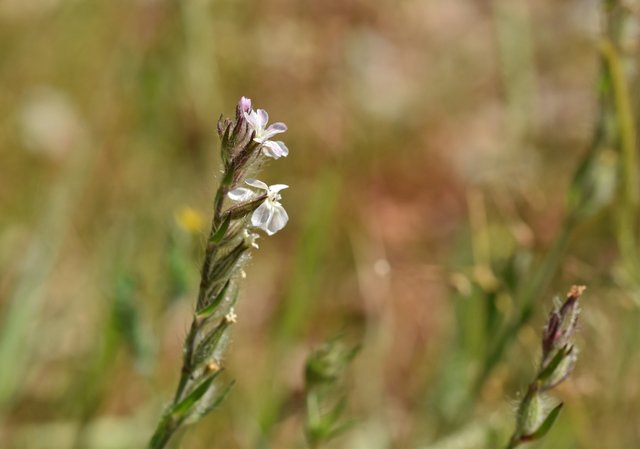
278 127
274 129
256 183
262 118
278 220
271 149
262 215
274 149
277 187
240 194
283 148
251 118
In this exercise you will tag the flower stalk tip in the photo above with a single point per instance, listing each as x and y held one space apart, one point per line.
559 355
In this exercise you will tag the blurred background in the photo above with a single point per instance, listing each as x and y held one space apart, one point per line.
432 151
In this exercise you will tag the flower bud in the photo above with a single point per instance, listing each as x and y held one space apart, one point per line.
562 323
245 104
564 368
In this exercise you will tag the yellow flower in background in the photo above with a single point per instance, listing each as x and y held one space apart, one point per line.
190 220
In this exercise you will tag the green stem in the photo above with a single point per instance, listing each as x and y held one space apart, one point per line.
624 118
186 364
163 433
535 289
513 443
167 426
628 189
221 193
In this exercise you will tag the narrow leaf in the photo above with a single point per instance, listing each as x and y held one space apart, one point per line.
218 400
225 149
545 426
546 373
221 231
210 342
208 311
183 407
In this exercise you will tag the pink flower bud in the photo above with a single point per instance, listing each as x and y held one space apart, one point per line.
245 104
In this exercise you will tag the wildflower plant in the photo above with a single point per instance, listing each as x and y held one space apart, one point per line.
559 354
244 148
324 405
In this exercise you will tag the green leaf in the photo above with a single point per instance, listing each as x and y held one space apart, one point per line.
218 400
557 359
208 345
208 311
334 415
221 231
225 145
340 428
545 426
182 408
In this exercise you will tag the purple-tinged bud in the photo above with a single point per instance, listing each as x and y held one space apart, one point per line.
550 334
243 107
562 323
245 104
569 313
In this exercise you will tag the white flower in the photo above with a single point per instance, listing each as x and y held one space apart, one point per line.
231 317
258 121
270 216
250 238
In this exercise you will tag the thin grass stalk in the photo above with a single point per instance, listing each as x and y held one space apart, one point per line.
628 187
613 102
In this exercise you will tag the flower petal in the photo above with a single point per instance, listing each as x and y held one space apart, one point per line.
262 118
262 215
274 149
277 187
279 219
240 194
256 183
283 148
277 127
251 118
274 129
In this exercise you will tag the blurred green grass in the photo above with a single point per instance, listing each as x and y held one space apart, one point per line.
431 143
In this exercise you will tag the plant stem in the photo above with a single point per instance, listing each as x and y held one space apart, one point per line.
168 425
541 279
163 433
513 443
